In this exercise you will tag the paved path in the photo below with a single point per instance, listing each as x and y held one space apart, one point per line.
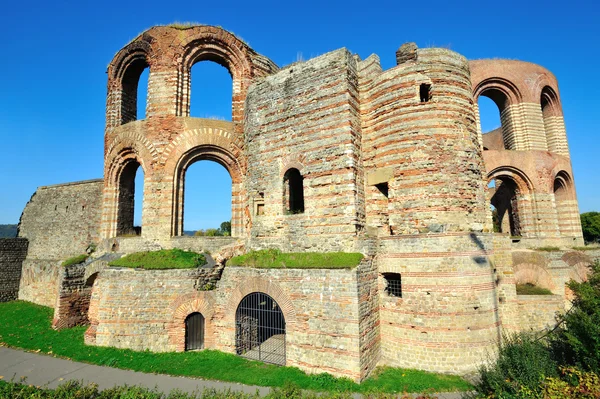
50 372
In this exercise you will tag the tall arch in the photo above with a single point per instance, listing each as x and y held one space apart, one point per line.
124 74
564 198
513 201
504 94
553 121
210 43
211 142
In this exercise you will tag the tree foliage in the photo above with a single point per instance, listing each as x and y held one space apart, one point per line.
590 224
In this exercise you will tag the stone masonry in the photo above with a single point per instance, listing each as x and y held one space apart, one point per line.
12 254
329 154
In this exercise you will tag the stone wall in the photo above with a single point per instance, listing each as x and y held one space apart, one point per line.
306 117
12 254
325 332
60 222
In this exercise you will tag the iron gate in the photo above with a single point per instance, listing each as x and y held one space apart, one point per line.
194 332
260 329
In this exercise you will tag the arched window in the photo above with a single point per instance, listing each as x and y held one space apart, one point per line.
260 329
293 191
492 104
204 209
194 332
130 187
132 91
505 201
211 88
562 184
552 120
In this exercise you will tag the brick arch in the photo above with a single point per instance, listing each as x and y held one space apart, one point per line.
213 143
210 43
181 308
257 284
123 77
519 209
135 140
502 91
534 274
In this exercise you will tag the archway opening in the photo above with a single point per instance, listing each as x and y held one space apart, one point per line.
134 91
505 200
491 104
260 329
211 91
130 200
207 199
495 218
549 105
561 201
293 191
194 332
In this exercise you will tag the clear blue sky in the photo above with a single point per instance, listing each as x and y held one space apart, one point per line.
54 57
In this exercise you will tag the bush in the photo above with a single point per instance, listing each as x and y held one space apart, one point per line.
573 384
531 289
523 363
577 342
590 224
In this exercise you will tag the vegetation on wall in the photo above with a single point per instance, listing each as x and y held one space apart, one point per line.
532 289
163 259
275 259
562 363
8 230
28 326
75 260
590 224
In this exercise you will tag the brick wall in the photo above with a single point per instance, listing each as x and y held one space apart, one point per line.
12 254
60 222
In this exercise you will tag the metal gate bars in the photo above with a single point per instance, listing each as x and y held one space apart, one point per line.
260 329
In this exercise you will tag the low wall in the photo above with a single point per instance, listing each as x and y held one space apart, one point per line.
143 309
538 312
39 281
12 254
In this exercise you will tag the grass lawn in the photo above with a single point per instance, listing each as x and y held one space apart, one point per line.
163 259
530 289
275 259
27 326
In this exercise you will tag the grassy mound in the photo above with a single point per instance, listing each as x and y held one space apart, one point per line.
75 260
26 325
531 289
160 260
275 259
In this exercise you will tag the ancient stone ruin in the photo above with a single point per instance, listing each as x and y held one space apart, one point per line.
329 154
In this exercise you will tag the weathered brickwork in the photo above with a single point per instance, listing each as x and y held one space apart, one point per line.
59 221
12 254
329 154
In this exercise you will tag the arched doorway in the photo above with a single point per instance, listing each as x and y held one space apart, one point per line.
194 332
260 329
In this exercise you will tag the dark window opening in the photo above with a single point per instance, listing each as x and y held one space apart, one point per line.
260 329
393 284
425 92
131 190
194 332
293 191
135 89
383 188
91 280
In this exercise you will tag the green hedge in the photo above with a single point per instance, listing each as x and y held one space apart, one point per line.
275 259
163 259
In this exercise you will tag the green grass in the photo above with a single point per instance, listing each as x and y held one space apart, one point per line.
530 289
27 326
548 249
275 259
586 248
75 260
163 259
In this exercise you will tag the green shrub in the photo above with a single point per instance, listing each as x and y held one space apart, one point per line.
75 260
163 259
523 363
531 289
577 342
573 384
590 225
275 259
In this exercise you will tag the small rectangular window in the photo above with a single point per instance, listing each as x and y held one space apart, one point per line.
393 284
425 92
